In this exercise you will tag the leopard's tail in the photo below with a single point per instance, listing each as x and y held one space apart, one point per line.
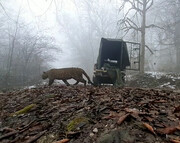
89 81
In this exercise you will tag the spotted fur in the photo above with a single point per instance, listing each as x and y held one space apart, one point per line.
66 73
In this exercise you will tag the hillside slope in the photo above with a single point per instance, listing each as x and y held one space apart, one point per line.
89 114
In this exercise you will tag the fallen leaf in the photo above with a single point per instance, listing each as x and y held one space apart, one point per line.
168 130
111 115
159 125
175 141
178 127
160 101
149 127
177 109
122 118
100 93
63 141
149 118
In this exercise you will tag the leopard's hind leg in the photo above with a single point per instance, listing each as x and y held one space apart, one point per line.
65 81
80 79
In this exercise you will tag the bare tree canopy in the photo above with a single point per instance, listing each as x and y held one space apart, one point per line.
135 19
24 52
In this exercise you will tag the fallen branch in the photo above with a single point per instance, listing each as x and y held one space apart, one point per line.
8 134
149 49
7 129
36 137
27 126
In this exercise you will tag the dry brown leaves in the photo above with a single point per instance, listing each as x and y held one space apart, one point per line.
63 141
106 107
149 127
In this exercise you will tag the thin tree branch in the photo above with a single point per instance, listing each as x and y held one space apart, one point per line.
154 26
149 49
122 6
139 2
152 1
131 23
127 12
135 7
6 12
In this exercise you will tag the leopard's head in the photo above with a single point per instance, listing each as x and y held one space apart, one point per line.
44 75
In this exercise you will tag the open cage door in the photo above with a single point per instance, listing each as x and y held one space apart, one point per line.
134 55
114 52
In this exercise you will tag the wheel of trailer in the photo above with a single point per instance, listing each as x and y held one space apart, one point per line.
96 81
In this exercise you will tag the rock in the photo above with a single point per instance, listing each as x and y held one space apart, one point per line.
112 126
95 130
91 134
117 136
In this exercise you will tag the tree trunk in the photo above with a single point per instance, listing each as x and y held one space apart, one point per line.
143 31
177 37
10 59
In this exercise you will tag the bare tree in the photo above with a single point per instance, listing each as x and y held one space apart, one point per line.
12 39
33 46
24 54
90 21
138 10
169 18
177 34
30 57
25 51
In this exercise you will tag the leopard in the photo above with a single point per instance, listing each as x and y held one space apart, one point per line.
65 74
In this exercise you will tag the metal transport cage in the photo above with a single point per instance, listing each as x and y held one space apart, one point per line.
111 63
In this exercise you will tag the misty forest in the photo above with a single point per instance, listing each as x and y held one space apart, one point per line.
105 71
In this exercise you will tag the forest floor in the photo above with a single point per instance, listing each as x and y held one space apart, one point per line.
146 110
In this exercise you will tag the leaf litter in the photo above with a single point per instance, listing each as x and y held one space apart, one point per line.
89 114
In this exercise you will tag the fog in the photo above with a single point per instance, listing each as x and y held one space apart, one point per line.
36 36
